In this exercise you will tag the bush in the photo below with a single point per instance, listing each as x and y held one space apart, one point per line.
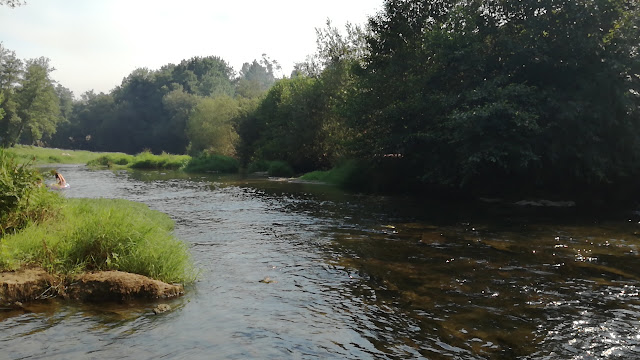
280 169
147 160
102 234
212 163
23 196
110 160
350 174
258 166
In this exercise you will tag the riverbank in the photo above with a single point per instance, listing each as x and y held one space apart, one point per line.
34 284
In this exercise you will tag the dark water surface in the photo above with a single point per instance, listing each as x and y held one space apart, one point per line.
356 277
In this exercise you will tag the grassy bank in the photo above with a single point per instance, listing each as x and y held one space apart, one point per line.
24 153
143 160
101 234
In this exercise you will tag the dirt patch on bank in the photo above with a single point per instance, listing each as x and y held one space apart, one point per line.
34 284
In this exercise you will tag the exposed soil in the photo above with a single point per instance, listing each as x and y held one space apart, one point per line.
34 284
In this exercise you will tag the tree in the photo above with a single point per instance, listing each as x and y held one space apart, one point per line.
256 77
210 127
510 92
204 76
179 106
38 104
10 75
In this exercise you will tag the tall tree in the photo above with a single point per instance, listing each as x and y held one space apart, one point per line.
510 92
257 77
210 127
11 70
38 104
179 106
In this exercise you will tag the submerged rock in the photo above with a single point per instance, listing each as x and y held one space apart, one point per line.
267 280
36 284
161 308
119 286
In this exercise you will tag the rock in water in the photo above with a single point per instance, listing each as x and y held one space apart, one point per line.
161 308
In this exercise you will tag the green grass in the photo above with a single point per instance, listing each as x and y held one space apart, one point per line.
339 175
143 160
40 156
101 234
147 160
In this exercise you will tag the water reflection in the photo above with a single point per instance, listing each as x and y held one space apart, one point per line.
355 277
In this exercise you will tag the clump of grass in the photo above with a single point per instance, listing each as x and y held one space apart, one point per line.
143 160
23 198
102 234
111 160
349 174
212 163
280 168
147 160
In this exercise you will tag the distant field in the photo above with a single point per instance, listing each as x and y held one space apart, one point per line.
54 156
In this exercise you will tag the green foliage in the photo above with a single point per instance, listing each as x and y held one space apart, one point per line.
110 160
212 163
23 198
488 95
292 123
257 77
280 169
211 126
102 234
38 155
143 160
258 166
147 160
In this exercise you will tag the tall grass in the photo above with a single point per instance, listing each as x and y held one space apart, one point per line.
143 160
348 174
23 198
147 160
102 234
38 155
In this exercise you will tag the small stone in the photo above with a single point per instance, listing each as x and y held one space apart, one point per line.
161 308
268 280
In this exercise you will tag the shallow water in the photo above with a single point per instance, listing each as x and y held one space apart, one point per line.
355 277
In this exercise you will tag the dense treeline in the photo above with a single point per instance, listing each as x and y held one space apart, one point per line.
484 96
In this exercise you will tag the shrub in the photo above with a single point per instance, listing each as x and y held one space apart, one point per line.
212 163
349 174
110 160
147 160
280 169
258 166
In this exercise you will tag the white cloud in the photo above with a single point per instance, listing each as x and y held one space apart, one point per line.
95 44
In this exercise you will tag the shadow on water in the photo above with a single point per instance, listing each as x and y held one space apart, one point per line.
298 270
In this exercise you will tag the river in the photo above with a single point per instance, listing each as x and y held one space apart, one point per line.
354 277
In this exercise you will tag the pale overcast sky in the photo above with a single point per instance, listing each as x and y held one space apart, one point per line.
94 44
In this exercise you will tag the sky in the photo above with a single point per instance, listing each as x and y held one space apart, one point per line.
94 44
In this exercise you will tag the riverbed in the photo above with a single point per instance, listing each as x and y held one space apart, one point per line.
306 271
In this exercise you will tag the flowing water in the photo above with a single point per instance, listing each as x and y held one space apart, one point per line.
354 277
